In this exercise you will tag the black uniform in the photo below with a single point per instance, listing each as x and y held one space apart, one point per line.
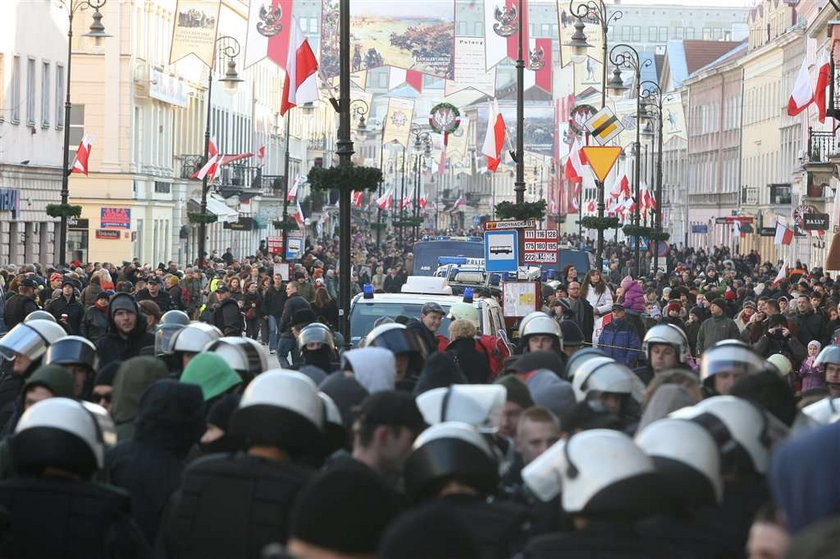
228 318
69 519
232 505
162 299
600 540
114 347
497 527
17 307
71 307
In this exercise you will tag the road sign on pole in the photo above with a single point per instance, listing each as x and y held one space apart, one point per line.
604 126
601 159
501 250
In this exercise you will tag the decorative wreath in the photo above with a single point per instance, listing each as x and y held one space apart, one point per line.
445 118
585 112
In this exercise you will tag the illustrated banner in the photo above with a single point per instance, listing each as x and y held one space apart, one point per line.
457 144
469 68
539 126
398 121
194 31
673 115
566 22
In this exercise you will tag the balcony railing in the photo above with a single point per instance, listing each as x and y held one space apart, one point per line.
821 145
749 195
234 178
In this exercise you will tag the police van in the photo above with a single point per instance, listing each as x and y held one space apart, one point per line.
367 307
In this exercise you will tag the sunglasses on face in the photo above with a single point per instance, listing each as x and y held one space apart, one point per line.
97 398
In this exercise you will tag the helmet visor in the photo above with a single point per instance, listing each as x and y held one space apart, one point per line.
163 338
24 340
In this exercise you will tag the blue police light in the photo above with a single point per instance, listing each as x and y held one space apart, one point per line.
495 279
456 260
368 291
468 295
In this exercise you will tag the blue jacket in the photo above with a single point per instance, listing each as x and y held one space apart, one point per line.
626 342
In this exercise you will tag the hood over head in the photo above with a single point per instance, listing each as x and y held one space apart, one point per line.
347 394
56 378
133 377
211 373
171 415
375 368
440 371
550 391
667 398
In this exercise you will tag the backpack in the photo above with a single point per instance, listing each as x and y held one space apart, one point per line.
496 351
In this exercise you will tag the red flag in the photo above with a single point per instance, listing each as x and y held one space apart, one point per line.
358 195
301 84
290 195
575 163
802 94
261 153
494 139
298 215
210 167
459 203
80 164
423 202
784 234
385 202
823 80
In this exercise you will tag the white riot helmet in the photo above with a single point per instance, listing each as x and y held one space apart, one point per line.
599 471
59 433
316 333
245 356
666 334
578 358
607 375
465 311
171 322
830 354
281 408
730 356
194 338
687 457
824 411
541 324
479 405
30 339
40 315
744 432
450 450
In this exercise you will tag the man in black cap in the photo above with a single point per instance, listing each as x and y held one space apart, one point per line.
153 292
431 316
717 327
228 316
20 304
126 331
66 309
294 303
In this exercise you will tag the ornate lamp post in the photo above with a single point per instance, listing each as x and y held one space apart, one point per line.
593 10
97 32
651 94
344 150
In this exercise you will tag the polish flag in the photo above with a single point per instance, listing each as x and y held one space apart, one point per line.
385 202
293 191
823 81
621 186
301 84
590 206
575 163
802 94
80 164
358 195
210 167
423 202
298 215
782 274
406 202
268 41
494 139
784 234
459 203
261 154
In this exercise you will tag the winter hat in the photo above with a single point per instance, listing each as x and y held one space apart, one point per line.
346 392
54 378
222 409
697 311
776 320
122 302
550 391
539 360
674 306
814 343
729 295
719 302
345 511
440 371
211 373
105 376
434 531
517 392
572 334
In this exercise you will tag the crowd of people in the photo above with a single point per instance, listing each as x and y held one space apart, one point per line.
687 412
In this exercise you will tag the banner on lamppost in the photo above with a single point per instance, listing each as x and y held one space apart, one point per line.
469 68
456 147
501 25
592 28
673 117
194 31
398 121
269 22
588 77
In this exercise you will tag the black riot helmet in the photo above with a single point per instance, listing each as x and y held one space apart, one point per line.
73 350
170 323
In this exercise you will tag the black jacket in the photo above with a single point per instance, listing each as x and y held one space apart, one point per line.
497 527
94 324
473 363
601 540
17 307
293 304
228 318
115 347
169 422
273 301
392 284
162 299
72 308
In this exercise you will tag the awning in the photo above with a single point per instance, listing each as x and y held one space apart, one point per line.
216 206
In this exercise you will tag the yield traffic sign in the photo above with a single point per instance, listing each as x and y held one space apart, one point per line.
601 159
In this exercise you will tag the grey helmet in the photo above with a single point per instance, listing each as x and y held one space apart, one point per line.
244 355
666 334
730 356
30 339
40 315
171 322
194 338
316 333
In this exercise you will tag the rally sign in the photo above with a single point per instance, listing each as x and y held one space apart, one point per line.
115 218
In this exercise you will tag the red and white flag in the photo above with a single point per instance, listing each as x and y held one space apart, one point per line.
405 203
261 154
301 84
269 22
823 81
386 201
591 206
423 201
784 234
210 167
782 274
80 164
575 163
802 94
298 215
293 191
358 196
494 139
621 187
459 203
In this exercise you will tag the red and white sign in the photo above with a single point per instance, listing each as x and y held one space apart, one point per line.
275 245
541 246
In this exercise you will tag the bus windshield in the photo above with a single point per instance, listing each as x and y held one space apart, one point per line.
426 254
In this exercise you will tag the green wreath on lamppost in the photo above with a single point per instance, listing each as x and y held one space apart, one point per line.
345 178
525 210
600 223
65 210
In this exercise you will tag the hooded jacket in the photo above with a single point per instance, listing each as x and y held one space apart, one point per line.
440 371
374 368
55 378
715 329
666 399
212 374
550 391
170 420
131 381
113 347
634 297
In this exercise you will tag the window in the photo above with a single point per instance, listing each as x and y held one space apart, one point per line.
637 33
30 91
77 128
479 29
689 33
163 187
15 100
462 28
663 34
780 194
45 95
59 96
545 30
652 34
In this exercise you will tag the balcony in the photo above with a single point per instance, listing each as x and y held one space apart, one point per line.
821 146
749 196
235 179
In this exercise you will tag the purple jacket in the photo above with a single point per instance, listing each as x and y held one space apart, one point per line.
634 298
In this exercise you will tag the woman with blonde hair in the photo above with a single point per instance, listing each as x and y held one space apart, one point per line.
596 291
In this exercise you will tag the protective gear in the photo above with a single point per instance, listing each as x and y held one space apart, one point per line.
316 333
730 356
30 339
824 411
73 350
829 354
479 405
59 433
744 432
578 358
194 338
280 408
780 363
450 450
398 339
40 315
170 323
666 334
607 375
600 471
542 325
466 311
686 457
335 435
244 355
527 318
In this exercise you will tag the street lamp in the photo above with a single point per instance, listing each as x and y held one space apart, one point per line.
625 56
97 33
593 10
230 49
652 95
344 150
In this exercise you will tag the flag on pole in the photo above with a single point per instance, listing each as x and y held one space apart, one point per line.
459 203
575 163
293 191
261 154
591 206
802 94
209 166
301 84
494 139
80 163
386 200
423 201
782 274
358 195
298 215
784 234
621 187
268 31
823 81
